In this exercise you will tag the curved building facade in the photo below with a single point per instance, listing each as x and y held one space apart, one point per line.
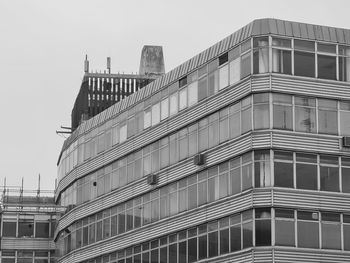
241 154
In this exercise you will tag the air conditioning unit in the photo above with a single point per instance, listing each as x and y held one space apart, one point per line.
152 179
199 159
346 141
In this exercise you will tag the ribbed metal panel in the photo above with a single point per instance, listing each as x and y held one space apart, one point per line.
310 255
311 199
201 109
26 244
305 142
310 87
184 220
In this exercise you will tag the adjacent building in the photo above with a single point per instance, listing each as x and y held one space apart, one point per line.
99 91
240 154
27 223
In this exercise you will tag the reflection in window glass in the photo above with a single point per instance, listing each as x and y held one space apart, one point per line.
245 65
223 77
183 99
147 118
202 88
305 119
213 85
261 60
164 105
281 61
262 173
308 233
192 93
173 104
235 70
344 67
327 117
155 114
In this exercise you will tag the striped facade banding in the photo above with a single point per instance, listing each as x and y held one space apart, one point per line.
275 183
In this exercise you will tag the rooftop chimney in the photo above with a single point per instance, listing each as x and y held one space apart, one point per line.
152 60
86 65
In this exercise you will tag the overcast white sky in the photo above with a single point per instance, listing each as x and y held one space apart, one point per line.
43 44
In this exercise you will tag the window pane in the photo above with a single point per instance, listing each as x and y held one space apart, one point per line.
224 241
235 71
283 174
263 232
235 232
261 116
247 177
192 93
183 99
345 123
245 65
213 244
331 236
235 180
261 60
182 252
247 234
285 233
308 235
344 68
281 61
304 45
246 120
147 118
42 229
192 250
304 64
223 77
326 67
327 121
213 85
282 117
202 88
347 237
346 180
25 228
9 229
173 104
202 247
164 108
262 169
329 178
305 119
306 176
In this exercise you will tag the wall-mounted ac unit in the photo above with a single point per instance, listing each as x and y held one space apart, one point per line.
199 159
346 141
152 179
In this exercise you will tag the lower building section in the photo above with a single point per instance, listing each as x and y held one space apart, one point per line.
256 235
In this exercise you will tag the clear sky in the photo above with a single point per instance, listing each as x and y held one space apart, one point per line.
43 44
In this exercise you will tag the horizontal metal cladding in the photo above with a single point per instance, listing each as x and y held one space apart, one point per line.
311 199
26 244
227 96
306 142
261 82
221 208
292 255
182 169
310 86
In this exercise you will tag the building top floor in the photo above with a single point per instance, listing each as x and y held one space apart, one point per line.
330 41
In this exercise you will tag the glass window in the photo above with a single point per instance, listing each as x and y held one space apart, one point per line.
329 174
183 99
245 65
42 229
327 67
344 117
235 120
202 88
155 114
281 61
262 169
223 77
235 175
213 130
9 229
282 112
346 175
192 140
147 118
213 244
247 174
305 114
344 64
284 228
183 144
306 171
304 45
235 233
25 228
261 55
246 118
308 233
283 169
224 125
304 64
262 227
192 93
261 111
327 116
173 104
235 70
346 231
330 226
213 83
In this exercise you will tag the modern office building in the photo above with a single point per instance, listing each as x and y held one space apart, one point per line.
99 91
240 154
27 223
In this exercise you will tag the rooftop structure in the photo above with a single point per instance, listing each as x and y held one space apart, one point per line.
240 154
99 91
